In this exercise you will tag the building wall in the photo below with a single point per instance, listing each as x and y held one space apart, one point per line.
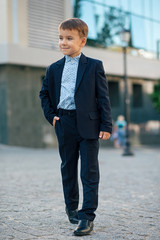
22 122
3 108
141 106
28 43
24 21
25 54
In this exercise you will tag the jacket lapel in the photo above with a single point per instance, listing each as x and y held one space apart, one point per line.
58 77
81 68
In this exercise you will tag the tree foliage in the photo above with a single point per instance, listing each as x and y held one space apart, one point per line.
77 9
155 96
112 24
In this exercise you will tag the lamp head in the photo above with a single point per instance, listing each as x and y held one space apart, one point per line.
125 36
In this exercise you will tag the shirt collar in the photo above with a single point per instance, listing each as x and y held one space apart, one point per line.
68 58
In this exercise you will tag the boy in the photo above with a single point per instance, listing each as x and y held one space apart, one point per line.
75 100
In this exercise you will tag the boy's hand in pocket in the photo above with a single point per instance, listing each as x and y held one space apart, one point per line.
54 120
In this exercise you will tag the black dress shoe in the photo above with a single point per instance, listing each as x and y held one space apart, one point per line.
72 216
84 227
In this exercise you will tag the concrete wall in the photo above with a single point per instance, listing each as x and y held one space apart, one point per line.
22 122
21 118
22 66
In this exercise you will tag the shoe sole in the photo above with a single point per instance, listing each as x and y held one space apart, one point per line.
82 233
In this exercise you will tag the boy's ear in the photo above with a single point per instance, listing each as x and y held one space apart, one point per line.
84 40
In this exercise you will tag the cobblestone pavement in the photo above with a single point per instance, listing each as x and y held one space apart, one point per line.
31 199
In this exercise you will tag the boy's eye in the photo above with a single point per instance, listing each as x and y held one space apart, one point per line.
70 38
60 38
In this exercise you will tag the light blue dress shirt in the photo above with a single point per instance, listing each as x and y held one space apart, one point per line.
68 83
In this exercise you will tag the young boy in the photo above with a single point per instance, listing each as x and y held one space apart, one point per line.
75 100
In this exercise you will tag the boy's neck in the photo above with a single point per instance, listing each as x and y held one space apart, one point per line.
79 54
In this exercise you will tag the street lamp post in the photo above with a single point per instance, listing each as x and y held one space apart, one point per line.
158 48
125 37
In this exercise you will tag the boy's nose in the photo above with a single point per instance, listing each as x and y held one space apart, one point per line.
64 42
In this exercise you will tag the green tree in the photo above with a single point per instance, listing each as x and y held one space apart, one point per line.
155 96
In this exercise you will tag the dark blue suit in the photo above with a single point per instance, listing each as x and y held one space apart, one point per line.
78 131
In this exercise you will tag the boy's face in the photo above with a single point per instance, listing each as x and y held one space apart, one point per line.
70 43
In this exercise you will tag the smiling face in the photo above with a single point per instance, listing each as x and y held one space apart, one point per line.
70 42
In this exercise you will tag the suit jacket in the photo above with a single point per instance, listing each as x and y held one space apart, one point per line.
91 96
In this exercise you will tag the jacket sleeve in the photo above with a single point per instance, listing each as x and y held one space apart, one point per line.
45 100
103 99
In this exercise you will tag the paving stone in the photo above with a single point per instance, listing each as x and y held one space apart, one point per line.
31 197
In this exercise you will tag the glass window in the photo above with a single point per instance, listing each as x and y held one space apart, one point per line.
124 5
99 12
136 6
87 15
138 32
114 93
147 8
137 95
113 3
105 18
148 36
156 35
156 9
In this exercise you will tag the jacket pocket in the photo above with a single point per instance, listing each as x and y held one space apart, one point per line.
94 115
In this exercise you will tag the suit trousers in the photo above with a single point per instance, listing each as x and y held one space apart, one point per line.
71 145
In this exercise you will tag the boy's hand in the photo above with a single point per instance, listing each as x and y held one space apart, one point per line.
54 120
104 135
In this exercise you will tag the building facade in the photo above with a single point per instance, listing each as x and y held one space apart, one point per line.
29 43
106 17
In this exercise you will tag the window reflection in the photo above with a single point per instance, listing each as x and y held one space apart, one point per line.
106 17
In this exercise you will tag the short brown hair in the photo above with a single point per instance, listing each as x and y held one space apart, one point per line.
76 24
